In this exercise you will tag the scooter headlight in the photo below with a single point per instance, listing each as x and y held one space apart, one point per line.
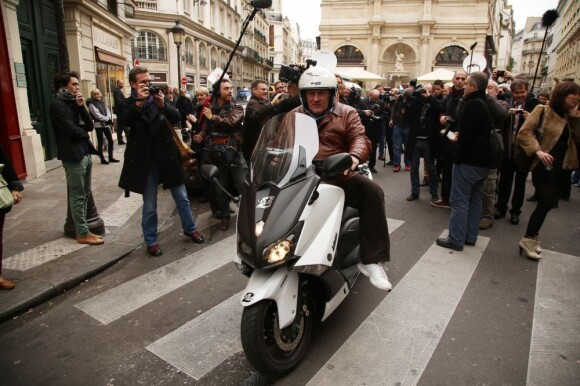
283 249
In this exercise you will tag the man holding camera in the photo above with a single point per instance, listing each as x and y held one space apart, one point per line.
152 157
422 114
373 114
520 107
72 123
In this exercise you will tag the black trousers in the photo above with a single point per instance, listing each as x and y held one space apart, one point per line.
368 197
548 186
506 178
120 130
107 132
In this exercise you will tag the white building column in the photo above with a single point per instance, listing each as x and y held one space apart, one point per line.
31 142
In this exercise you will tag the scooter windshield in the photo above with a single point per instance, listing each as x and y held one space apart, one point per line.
285 150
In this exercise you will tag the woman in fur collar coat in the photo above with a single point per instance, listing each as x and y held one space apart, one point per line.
552 134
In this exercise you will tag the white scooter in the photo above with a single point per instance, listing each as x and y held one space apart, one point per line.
296 241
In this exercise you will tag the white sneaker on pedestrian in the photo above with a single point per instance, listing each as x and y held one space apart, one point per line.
377 274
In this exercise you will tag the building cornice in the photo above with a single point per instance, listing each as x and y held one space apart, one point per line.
101 14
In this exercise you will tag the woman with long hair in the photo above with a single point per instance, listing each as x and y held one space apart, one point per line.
552 134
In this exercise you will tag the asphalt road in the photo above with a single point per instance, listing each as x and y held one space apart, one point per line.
484 316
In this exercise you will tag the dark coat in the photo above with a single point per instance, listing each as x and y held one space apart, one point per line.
150 142
510 131
71 125
257 113
475 123
120 102
428 126
185 107
10 176
375 122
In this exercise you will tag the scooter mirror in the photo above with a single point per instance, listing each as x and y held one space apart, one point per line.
336 164
209 172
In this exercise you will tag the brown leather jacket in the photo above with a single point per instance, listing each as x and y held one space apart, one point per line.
341 131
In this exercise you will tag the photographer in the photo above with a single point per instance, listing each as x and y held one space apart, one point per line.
400 127
520 107
422 114
103 123
259 110
373 116
152 158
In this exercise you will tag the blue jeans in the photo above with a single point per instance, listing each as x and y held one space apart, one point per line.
466 204
149 218
422 149
400 135
78 181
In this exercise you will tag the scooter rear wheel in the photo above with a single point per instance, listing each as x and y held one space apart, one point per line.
272 351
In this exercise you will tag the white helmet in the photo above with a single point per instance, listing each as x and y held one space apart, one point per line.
317 78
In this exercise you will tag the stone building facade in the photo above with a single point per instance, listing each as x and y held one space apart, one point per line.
401 40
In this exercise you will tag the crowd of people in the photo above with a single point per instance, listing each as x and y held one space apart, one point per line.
446 124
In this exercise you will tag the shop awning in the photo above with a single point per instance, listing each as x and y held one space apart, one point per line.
357 73
109 57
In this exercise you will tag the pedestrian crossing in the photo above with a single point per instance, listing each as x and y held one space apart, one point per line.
399 337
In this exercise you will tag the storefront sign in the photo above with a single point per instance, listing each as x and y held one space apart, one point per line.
106 41
158 77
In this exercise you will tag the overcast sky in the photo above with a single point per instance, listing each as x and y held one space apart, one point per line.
307 13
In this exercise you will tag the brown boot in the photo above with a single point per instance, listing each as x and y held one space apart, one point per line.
529 245
90 239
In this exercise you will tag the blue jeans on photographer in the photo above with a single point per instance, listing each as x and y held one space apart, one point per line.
400 135
232 173
149 217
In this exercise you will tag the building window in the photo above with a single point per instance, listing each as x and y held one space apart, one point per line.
203 57
189 55
148 46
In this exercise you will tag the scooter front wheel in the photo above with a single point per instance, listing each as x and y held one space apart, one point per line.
271 350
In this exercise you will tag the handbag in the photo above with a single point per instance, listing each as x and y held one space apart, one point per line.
186 155
522 161
6 197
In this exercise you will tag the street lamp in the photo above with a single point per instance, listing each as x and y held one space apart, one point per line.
178 34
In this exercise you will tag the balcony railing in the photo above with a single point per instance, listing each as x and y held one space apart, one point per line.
150 5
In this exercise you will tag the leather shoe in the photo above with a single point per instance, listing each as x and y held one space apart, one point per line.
90 239
470 243
373 170
446 243
113 160
224 224
195 236
412 197
104 161
6 284
515 219
497 214
532 198
154 250
122 143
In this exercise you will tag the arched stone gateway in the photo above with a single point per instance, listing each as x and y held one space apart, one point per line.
450 56
348 55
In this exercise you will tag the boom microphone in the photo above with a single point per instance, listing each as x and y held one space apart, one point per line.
261 3
471 47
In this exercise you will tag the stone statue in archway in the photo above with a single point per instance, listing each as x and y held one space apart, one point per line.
399 61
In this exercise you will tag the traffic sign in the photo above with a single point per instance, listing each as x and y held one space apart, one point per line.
184 80
136 63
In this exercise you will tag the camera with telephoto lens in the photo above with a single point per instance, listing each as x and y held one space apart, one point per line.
387 97
500 73
292 72
419 91
154 90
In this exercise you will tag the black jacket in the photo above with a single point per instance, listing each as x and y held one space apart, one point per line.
71 125
423 117
257 113
120 102
10 176
510 130
150 142
185 107
374 122
475 123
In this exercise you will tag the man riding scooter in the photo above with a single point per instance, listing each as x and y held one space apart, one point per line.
341 131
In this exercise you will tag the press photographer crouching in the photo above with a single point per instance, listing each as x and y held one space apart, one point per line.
152 157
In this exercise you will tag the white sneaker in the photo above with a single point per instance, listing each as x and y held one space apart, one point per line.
377 274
